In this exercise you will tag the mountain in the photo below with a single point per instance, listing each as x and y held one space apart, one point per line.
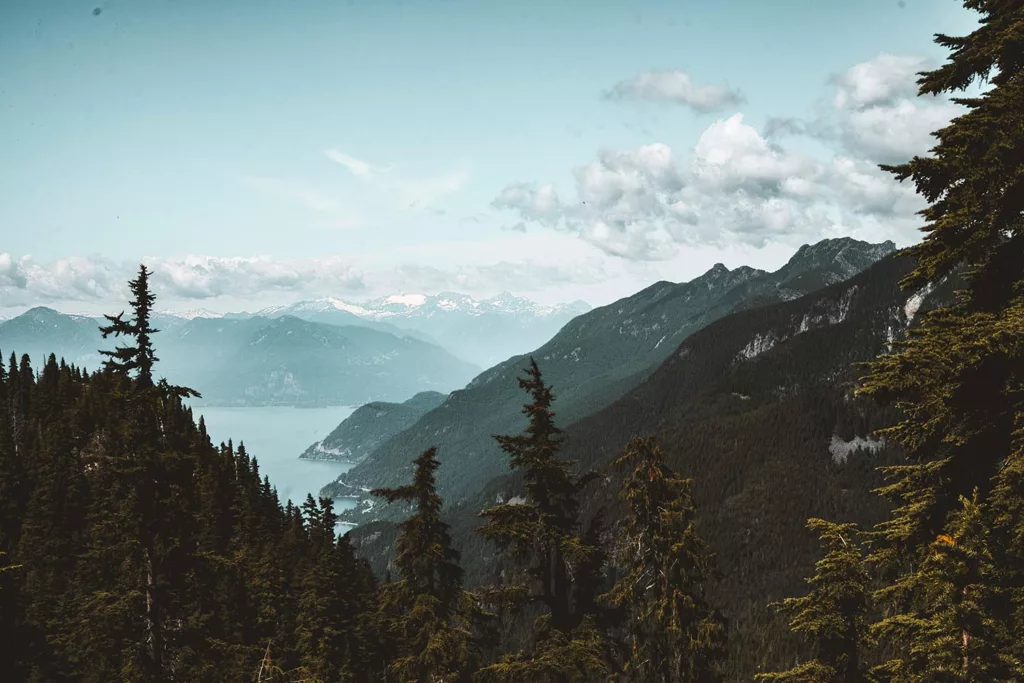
481 331
257 361
369 426
758 408
296 362
41 331
592 361
331 311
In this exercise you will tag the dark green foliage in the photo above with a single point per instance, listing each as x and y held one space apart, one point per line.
134 550
557 561
834 615
946 630
959 382
426 611
673 634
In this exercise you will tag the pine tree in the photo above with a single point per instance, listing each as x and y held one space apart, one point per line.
544 536
140 356
957 378
674 635
833 617
948 634
427 609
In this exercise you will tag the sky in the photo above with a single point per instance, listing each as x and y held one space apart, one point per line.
262 152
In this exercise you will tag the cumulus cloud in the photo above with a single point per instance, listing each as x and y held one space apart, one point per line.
23 282
676 87
743 186
884 80
537 204
203 277
875 112
738 188
231 283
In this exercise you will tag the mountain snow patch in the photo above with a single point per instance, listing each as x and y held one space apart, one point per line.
841 450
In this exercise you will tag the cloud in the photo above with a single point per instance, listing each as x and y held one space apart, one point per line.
738 188
404 192
537 204
884 80
23 282
875 112
676 87
356 166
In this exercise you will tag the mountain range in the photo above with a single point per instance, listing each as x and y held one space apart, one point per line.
483 332
758 407
257 360
592 361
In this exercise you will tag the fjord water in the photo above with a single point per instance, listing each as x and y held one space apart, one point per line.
275 436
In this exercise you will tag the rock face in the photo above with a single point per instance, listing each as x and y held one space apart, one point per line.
369 426
596 358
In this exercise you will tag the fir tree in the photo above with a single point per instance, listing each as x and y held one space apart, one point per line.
544 535
948 634
833 617
140 356
427 610
957 378
674 635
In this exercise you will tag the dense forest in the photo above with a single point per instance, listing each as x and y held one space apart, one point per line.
132 548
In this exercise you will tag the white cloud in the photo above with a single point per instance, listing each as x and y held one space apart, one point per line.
895 133
884 80
201 277
737 189
23 282
419 192
744 187
538 204
677 87
356 166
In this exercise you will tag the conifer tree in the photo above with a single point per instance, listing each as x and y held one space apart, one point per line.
957 378
427 610
949 634
140 356
674 635
543 534
833 616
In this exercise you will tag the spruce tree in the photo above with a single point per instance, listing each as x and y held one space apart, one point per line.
673 634
427 610
948 633
957 378
543 535
833 616
138 357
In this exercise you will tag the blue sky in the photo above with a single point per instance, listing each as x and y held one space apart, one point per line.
258 152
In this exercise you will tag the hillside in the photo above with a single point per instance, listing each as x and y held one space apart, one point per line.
757 408
592 361
258 361
369 426
484 331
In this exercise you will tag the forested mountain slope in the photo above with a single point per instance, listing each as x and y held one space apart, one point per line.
594 360
757 408
369 426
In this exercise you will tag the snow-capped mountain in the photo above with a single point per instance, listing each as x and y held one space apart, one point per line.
482 331
191 314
